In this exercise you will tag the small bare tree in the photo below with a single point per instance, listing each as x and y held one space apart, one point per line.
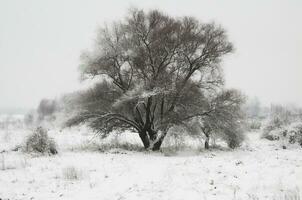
224 119
46 108
29 118
157 71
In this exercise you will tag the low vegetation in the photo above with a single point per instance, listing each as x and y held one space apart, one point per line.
71 173
40 142
284 125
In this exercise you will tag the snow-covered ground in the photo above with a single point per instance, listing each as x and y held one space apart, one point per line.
260 169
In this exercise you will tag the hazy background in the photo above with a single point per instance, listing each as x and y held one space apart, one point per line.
41 41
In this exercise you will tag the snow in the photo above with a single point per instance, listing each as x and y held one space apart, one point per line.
260 169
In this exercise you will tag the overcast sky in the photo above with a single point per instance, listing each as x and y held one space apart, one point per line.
41 41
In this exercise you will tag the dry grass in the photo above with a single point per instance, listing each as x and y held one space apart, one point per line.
72 173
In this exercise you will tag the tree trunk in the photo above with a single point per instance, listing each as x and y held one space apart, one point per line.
207 141
151 141
145 139
157 142
157 145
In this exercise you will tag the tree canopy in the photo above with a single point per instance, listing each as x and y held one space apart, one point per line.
155 71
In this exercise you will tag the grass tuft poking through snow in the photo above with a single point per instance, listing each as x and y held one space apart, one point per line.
4 165
106 147
9 162
72 173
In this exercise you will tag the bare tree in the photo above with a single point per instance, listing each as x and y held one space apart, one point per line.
157 71
29 118
46 108
225 119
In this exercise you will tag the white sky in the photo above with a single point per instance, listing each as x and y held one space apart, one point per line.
41 41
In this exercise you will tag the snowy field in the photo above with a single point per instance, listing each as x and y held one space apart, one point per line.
260 169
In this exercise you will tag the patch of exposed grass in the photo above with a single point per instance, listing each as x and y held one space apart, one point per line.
72 173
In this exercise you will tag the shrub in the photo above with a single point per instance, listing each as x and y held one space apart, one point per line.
280 119
273 129
234 138
291 133
271 134
270 137
39 142
294 133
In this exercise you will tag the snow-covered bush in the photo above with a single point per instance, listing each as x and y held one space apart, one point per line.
280 118
281 123
39 142
288 134
273 135
294 133
234 138
271 131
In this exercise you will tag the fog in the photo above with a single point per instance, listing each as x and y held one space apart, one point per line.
41 42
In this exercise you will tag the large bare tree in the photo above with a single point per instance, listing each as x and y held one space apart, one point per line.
155 71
